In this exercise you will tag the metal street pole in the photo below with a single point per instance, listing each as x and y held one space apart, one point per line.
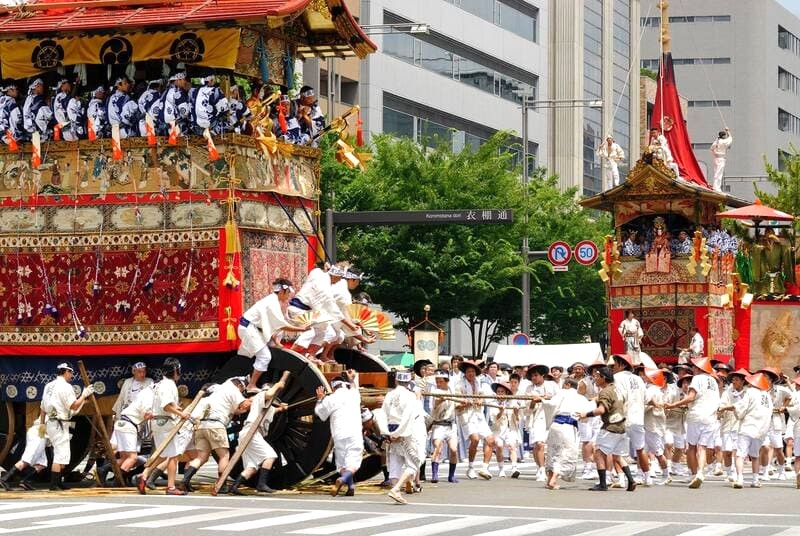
525 326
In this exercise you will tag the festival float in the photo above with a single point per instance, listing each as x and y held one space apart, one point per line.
740 294
150 247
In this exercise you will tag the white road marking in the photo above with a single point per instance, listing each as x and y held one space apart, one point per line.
60 511
626 527
127 514
17 505
720 529
276 521
791 531
442 526
196 518
533 528
375 521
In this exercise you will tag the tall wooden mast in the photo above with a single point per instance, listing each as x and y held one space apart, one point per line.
665 38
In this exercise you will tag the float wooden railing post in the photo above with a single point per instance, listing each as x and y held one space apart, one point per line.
101 427
157 453
245 442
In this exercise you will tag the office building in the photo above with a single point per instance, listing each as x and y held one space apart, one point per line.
739 66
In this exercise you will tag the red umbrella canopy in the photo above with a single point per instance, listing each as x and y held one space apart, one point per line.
756 212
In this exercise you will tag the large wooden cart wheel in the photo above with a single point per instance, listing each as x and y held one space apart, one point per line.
301 439
7 426
359 361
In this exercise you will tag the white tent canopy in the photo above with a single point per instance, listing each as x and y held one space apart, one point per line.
555 354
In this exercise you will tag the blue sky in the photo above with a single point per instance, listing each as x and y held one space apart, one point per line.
791 5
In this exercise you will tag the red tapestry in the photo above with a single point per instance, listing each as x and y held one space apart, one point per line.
665 330
160 287
268 256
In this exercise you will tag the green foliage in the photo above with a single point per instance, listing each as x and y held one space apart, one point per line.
649 73
470 272
787 184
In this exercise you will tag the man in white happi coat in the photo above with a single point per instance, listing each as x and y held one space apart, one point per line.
537 421
316 296
588 428
610 154
32 462
338 332
696 343
58 406
773 444
631 331
167 412
655 420
702 400
213 415
126 439
472 419
407 431
630 389
259 456
728 422
719 150
443 428
659 146
260 326
675 437
343 408
794 416
563 449
131 388
754 412
506 419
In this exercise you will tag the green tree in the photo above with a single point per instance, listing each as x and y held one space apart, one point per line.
786 182
469 272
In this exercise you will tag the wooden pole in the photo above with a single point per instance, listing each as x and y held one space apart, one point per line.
246 440
101 427
156 453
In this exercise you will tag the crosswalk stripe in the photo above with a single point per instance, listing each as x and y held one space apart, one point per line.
195 518
63 510
791 531
443 526
127 514
4 507
376 521
532 528
627 528
720 529
276 521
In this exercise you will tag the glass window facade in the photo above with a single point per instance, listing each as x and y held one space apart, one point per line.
653 64
788 82
592 90
622 89
524 24
788 122
708 103
788 41
444 62
655 22
432 133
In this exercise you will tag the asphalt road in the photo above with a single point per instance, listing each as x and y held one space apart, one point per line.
500 507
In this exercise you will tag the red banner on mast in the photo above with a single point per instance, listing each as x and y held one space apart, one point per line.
674 127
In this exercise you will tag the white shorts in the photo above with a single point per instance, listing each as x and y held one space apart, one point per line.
257 452
717 439
34 453
347 452
774 439
588 429
58 434
701 434
748 446
314 336
729 440
611 443
179 443
538 431
635 433
442 432
125 437
509 438
333 335
252 340
476 426
394 461
796 447
654 443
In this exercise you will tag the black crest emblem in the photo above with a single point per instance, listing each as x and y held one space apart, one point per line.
188 48
47 55
116 51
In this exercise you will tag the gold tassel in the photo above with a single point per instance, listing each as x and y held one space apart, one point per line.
230 330
232 245
230 279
